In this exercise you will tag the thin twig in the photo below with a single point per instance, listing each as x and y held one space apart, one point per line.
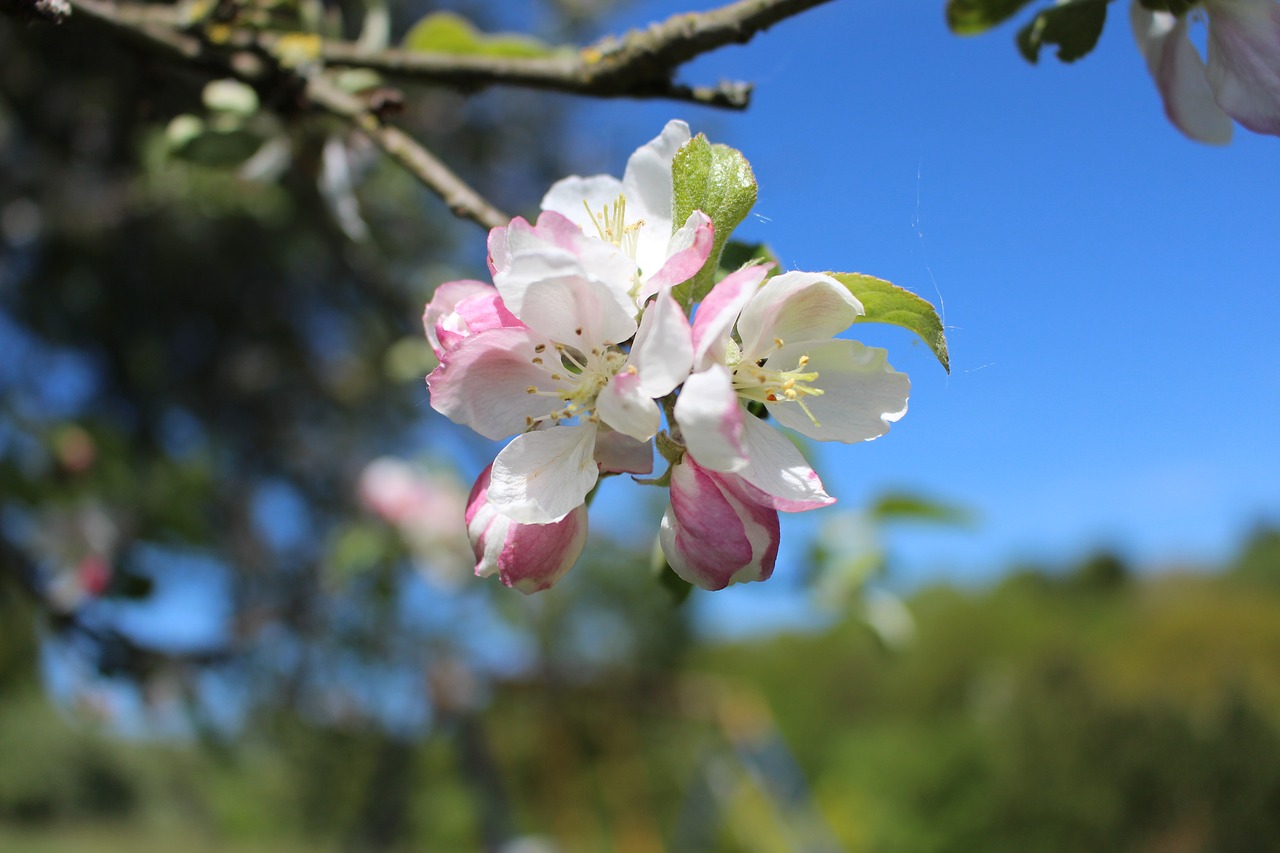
464 201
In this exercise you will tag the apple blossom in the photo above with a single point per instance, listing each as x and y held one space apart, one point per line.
529 557
555 371
579 345
635 213
1241 80
786 359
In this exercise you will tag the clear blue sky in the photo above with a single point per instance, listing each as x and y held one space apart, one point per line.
1110 287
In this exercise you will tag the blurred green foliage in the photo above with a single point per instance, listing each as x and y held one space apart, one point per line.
1088 709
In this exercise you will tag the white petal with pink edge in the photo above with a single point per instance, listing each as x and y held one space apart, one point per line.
542 475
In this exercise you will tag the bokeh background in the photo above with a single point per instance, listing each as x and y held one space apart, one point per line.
235 615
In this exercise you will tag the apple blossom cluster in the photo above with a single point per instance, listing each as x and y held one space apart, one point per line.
1241 79
583 348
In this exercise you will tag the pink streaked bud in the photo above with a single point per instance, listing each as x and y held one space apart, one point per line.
529 557
714 533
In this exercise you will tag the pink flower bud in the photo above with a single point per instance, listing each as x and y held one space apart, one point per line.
714 532
529 557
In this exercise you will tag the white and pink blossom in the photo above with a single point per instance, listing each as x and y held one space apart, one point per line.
575 341
785 358
1241 79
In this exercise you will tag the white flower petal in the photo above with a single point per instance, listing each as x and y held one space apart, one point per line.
541 476
795 306
861 396
573 289
779 471
1244 61
570 197
624 405
1179 75
663 349
647 184
620 454
711 420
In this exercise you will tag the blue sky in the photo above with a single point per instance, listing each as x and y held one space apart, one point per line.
1110 287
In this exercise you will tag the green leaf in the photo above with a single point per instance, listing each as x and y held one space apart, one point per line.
1175 7
968 17
905 506
737 254
446 32
888 303
219 148
717 180
1074 27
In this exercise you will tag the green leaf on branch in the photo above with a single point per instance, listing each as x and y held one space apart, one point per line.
968 17
1074 27
887 303
717 180
446 32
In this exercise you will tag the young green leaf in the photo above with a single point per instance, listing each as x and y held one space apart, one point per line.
737 254
717 180
446 32
1074 27
968 17
888 303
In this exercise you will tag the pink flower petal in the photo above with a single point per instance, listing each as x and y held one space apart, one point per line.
483 382
441 309
687 251
716 315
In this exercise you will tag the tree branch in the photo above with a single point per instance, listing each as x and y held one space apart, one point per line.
638 64
464 201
